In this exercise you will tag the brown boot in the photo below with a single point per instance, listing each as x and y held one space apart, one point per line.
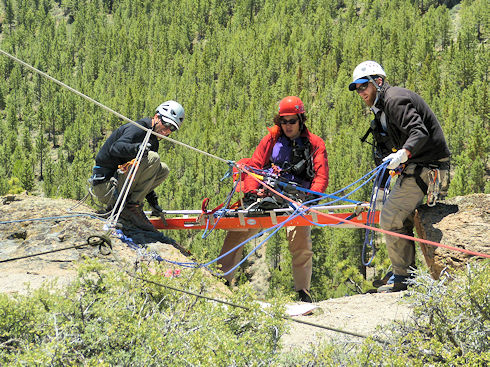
134 214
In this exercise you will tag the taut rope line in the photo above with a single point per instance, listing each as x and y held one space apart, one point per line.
108 108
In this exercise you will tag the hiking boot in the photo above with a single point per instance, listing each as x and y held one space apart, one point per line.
134 214
304 296
400 283
387 279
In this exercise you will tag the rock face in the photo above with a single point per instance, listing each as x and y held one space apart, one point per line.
462 222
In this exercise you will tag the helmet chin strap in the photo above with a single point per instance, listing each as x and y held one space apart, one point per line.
378 89
154 121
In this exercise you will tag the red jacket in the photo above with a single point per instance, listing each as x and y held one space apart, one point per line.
262 155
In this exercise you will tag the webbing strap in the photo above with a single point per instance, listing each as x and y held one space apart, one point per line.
418 179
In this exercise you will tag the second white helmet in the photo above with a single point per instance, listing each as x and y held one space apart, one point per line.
171 112
363 70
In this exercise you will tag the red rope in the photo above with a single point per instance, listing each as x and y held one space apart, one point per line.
432 243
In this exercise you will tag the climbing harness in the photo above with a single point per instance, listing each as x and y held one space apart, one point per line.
301 160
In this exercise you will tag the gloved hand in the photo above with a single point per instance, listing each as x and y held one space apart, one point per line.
400 156
304 197
146 148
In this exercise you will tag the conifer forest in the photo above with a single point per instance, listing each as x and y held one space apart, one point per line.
229 62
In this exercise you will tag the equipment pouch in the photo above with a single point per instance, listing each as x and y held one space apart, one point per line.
271 202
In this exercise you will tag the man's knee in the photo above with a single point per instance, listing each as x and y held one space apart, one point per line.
301 257
392 217
386 219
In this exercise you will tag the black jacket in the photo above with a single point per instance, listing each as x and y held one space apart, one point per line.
412 125
123 145
382 145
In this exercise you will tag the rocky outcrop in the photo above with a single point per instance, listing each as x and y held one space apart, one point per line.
32 225
462 222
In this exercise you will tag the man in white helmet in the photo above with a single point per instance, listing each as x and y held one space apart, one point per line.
115 158
418 147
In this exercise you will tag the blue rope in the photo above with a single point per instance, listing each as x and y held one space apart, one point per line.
228 173
274 230
376 173
322 195
340 198
129 241
370 234
333 195
220 213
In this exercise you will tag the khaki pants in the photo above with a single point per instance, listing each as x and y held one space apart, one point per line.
300 246
397 216
149 175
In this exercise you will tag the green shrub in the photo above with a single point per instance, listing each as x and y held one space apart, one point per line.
451 324
108 317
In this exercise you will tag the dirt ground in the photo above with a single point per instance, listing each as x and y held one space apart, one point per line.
360 314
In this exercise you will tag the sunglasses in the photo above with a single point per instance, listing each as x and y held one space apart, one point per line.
168 125
362 87
288 122
171 127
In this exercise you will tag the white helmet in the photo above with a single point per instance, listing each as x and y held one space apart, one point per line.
363 70
171 112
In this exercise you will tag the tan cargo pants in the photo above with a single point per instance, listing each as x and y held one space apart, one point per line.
151 173
300 246
397 216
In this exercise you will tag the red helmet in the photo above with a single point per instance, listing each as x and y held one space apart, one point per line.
291 105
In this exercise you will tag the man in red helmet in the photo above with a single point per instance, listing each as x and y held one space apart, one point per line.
300 157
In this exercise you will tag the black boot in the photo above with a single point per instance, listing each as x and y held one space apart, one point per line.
134 214
152 199
304 296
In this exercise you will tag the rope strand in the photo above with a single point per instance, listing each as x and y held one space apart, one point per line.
108 108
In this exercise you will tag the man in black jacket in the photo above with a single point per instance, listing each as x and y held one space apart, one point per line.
420 155
117 155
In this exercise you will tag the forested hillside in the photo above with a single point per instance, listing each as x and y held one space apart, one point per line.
229 63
